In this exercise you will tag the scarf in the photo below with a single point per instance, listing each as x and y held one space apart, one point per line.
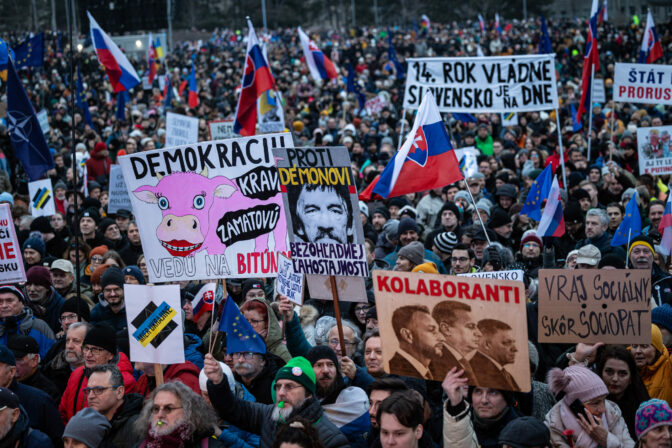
569 421
176 439
488 429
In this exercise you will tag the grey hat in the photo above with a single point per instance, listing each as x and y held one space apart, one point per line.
445 242
390 229
483 205
413 252
87 426
588 254
627 194
462 194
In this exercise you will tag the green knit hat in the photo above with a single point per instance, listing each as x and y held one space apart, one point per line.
297 369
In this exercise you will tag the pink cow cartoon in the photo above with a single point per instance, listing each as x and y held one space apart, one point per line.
194 206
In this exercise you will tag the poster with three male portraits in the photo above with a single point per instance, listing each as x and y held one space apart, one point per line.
431 323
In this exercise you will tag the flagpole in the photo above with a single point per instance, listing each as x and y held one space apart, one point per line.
590 111
337 313
626 249
562 151
401 131
477 213
611 131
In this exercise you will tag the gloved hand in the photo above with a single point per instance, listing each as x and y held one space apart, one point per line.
494 258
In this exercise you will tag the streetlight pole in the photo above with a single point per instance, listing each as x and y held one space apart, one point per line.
263 14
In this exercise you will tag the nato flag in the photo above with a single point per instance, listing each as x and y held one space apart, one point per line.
25 133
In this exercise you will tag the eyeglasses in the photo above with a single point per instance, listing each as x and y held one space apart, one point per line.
288 387
116 291
97 258
166 409
94 350
530 245
362 309
459 259
248 356
98 389
336 343
65 317
256 322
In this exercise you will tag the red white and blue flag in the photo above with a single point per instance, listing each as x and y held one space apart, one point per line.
193 88
121 73
426 160
481 23
497 26
665 227
319 64
603 16
552 221
257 79
591 64
151 60
651 49
204 300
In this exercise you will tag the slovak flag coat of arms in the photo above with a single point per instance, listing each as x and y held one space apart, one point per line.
426 160
204 300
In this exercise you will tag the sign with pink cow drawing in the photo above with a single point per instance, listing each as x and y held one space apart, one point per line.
209 210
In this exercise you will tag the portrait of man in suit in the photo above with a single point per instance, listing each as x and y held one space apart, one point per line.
419 342
496 349
462 336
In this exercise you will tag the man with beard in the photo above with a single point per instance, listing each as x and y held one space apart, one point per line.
323 214
640 256
133 250
111 310
462 336
378 218
597 222
70 358
15 430
256 371
346 407
293 393
420 341
496 349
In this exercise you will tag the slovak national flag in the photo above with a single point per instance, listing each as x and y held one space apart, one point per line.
204 300
319 64
591 64
651 49
481 23
426 160
121 73
665 227
257 79
552 221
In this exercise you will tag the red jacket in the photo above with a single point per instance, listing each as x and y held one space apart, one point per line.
186 373
98 164
74 399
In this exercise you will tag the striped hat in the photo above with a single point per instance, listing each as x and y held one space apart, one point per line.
445 242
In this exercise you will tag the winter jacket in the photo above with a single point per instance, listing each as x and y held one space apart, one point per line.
236 437
260 386
619 436
26 323
74 400
22 435
121 434
458 430
98 165
56 368
102 314
257 417
192 346
39 381
40 409
186 373
52 310
661 286
656 378
274 343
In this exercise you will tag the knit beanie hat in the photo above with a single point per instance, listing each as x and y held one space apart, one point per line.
406 224
445 242
112 276
382 211
531 236
92 213
297 369
321 352
98 273
641 240
98 250
524 432
105 223
135 272
426 268
35 243
203 378
651 414
75 304
414 252
498 218
662 316
102 336
39 275
42 225
88 426
452 207
577 382
13 290
657 339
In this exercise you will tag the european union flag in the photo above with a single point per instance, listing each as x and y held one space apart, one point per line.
82 103
392 55
240 336
463 117
576 124
29 53
538 192
544 40
25 133
355 88
4 59
631 226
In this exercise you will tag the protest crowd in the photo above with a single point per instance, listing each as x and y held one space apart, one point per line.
294 377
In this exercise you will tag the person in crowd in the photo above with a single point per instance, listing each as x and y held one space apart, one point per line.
45 300
261 316
63 281
525 432
462 260
601 422
297 432
17 318
15 429
111 310
133 275
185 372
654 364
33 252
662 317
640 256
64 362
653 424
133 250
27 357
401 420
86 429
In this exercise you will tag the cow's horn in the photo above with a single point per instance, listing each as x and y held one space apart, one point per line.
159 176
205 171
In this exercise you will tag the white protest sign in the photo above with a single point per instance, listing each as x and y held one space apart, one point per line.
599 94
375 105
43 119
468 160
11 262
350 289
653 145
41 198
154 318
509 119
493 84
643 83
289 283
271 117
118 196
221 129
180 130
209 210
516 275
145 83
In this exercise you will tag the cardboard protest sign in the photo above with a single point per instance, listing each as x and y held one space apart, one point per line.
118 195
41 198
431 323
643 83
154 318
180 130
271 117
11 261
589 305
289 283
324 225
209 210
350 289
221 129
653 146
479 84
515 275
